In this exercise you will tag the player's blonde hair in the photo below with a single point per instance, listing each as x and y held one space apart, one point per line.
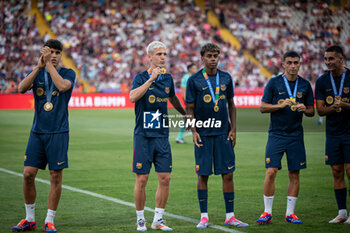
155 45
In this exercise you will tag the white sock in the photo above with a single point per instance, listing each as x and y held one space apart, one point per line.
204 215
229 215
50 216
268 201
140 214
158 214
343 213
30 212
291 201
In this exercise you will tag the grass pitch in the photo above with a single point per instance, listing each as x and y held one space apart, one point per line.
100 161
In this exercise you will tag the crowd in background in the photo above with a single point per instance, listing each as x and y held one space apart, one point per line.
107 40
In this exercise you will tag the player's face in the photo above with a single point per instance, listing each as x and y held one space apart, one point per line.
192 70
55 57
291 65
158 57
211 59
333 61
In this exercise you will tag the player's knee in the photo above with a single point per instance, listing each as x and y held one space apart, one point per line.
164 180
28 177
228 177
271 173
55 177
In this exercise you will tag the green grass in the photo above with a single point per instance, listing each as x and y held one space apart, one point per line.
100 160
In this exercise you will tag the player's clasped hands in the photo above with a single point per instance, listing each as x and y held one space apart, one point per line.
46 54
287 102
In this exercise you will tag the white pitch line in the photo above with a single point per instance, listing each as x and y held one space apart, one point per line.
115 200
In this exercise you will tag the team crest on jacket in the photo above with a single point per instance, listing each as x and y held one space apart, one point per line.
151 99
299 94
138 165
329 99
167 90
346 90
223 87
207 98
39 91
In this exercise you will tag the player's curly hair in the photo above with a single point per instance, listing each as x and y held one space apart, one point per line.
54 44
209 48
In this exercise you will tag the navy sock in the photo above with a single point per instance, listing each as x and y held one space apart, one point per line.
340 196
203 200
229 200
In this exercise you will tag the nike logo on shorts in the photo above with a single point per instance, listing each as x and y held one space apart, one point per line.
60 163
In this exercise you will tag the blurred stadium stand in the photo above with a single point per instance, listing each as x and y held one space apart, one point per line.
106 40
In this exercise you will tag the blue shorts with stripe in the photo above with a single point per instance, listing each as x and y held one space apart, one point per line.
217 151
337 149
148 150
43 149
294 148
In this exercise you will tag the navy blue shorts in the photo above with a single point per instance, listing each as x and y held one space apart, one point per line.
294 148
49 149
217 150
337 149
151 150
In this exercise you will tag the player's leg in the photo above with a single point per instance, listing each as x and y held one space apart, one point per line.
140 198
179 138
340 192
142 161
347 168
29 192
56 149
275 149
34 159
163 167
293 191
204 164
335 157
224 165
296 159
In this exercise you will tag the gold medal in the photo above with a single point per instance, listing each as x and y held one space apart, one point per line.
293 107
280 101
162 70
39 91
216 108
337 98
48 106
292 98
338 109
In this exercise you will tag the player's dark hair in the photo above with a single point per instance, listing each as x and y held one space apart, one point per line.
209 48
190 66
337 49
290 54
54 44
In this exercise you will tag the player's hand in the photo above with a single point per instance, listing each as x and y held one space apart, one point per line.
232 136
155 73
46 54
197 139
301 107
41 63
287 102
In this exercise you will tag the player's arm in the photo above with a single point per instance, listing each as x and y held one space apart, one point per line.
27 82
140 91
190 113
183 90
177 105
344 105
62 84
267 107
232 115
